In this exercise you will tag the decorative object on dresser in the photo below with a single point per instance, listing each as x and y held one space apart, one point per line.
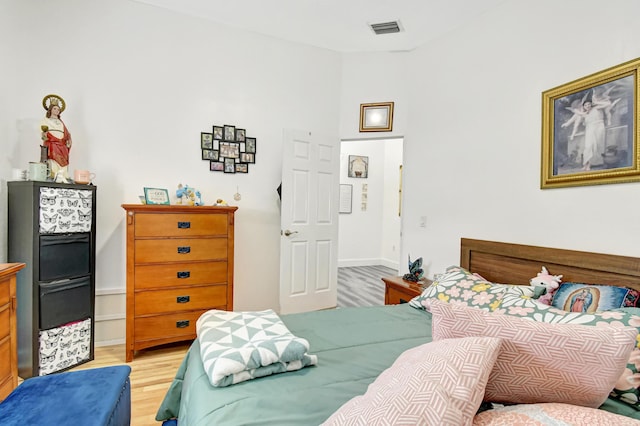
52 229
156 196
179 265
415 270
8 329
398 290
228 149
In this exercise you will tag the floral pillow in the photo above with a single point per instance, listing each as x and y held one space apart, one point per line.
457 285
578 297
627 388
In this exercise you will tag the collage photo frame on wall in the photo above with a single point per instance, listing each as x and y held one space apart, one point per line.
228 149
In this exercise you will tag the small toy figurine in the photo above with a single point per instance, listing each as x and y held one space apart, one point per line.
548 281
188 196
415 270
220 202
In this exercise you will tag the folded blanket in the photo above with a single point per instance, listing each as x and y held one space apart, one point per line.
239 346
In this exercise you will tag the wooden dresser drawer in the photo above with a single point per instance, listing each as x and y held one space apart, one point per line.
5 327
6 374
180 250
179 265
180 225
6 388
180 274
4 292
180 299
167 326
5 356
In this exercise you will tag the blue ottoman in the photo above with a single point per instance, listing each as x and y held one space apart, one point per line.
99 396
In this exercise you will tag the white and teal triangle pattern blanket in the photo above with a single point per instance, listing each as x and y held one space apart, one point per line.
239 346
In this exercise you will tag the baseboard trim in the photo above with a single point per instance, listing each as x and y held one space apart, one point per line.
110 342
346 263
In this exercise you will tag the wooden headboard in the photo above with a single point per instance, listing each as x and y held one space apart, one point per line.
515 264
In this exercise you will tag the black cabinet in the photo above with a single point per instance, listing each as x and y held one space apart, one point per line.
52 229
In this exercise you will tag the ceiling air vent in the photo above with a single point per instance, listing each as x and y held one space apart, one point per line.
386 27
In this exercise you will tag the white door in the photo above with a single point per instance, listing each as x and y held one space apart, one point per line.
309 222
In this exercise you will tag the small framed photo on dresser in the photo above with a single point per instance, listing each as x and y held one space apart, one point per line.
156 196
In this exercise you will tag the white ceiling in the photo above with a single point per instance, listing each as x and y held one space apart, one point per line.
339 25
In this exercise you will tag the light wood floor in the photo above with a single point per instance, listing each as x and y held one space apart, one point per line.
153 370
151 373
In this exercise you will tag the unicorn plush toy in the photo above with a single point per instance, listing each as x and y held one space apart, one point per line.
548 281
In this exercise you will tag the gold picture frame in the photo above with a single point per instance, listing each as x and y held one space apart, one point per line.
376 117
590 129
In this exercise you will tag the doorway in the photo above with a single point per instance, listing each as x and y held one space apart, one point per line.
369 231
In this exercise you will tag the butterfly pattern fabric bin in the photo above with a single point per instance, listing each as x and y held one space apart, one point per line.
65 210
65 346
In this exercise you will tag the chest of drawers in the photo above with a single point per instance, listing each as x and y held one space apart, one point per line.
8 329
179 265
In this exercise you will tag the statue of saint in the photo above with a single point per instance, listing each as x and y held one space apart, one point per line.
56 138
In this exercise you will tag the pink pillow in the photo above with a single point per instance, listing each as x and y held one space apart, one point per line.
551 413
435 383
542 362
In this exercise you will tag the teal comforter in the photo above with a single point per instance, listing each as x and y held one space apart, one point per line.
353 345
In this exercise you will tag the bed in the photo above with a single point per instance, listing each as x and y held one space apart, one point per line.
355 345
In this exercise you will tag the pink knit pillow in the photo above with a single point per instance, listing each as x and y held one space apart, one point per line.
551 413
542 362
435 383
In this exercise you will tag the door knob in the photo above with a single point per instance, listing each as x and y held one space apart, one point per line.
287 233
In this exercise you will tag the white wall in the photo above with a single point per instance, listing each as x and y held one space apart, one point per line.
140 84
473 140
371 236
471 118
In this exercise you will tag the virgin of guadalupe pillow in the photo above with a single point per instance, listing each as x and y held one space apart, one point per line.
578 297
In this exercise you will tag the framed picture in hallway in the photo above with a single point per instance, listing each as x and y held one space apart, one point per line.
590 129
376 117
358 166
346 198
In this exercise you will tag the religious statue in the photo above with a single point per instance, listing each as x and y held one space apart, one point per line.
56 138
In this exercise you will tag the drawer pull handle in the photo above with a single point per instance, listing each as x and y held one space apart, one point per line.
182 324
184 225
184 250
183 274
182 299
